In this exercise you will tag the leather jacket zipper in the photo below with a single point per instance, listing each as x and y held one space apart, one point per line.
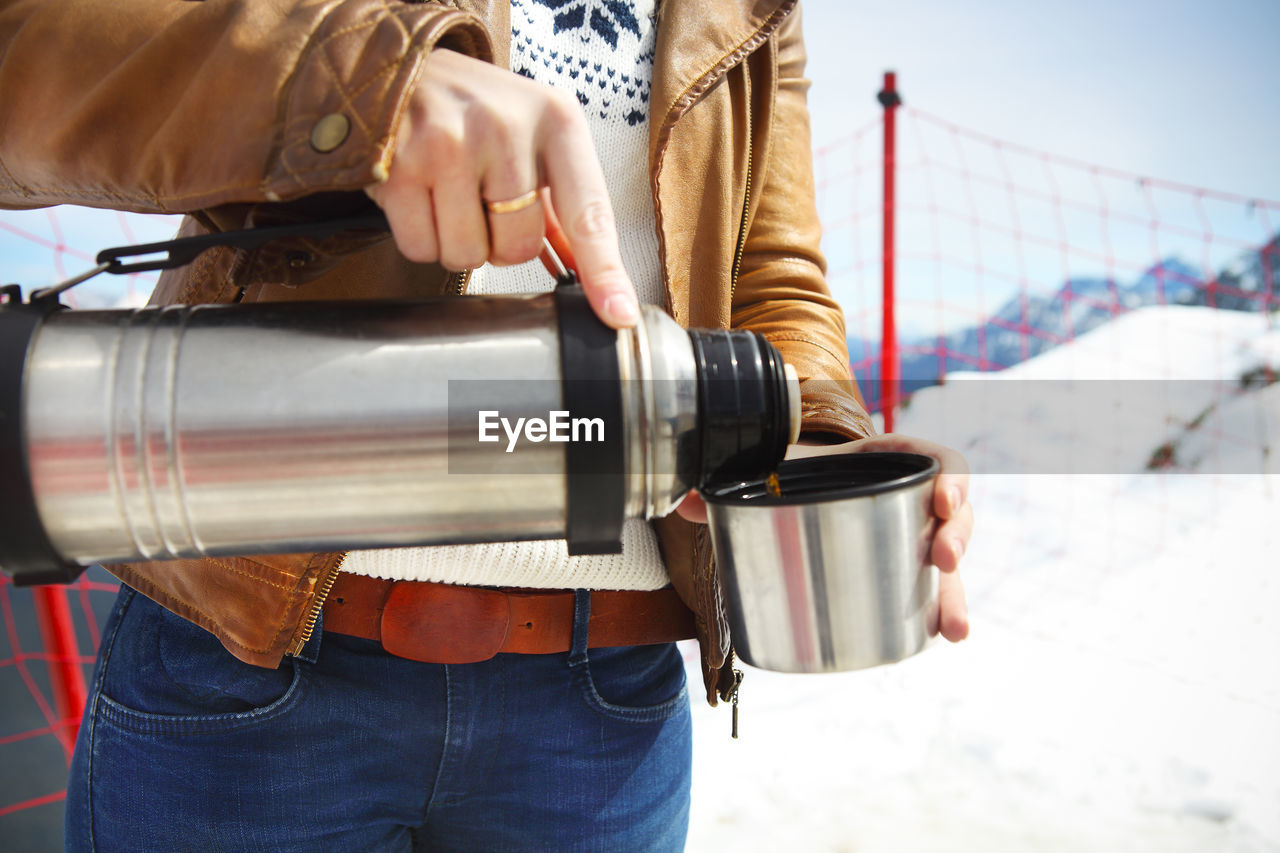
317 605
457 283
734 691
683 105
746 211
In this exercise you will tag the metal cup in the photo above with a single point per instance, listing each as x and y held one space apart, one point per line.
832 573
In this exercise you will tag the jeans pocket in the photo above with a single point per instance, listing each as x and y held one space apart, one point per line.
637 684
165 674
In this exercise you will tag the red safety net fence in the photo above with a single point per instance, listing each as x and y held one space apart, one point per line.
1004 252
1002 255
48 635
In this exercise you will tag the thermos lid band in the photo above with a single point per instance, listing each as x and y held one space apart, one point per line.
595 471
26 554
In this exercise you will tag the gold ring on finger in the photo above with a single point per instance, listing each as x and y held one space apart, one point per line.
512 205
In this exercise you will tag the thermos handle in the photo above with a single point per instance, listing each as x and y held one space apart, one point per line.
556 255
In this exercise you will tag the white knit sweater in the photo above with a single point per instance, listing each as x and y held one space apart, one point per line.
603 51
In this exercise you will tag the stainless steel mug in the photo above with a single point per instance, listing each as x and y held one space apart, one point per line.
829 571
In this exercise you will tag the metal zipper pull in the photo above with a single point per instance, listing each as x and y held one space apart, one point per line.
733 695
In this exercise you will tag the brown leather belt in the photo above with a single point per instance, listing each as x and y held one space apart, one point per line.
439 623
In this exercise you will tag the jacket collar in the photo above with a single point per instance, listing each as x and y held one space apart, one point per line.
694 40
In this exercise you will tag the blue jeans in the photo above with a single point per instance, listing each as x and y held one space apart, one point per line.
347 748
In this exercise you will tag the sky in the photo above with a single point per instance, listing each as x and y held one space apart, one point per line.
1186 90
1179 91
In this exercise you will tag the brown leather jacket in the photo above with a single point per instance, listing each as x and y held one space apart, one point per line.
209 108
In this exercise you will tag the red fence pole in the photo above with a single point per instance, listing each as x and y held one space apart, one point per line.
890 100
67 678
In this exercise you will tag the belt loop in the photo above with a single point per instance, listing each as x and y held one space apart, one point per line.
581 619
311 649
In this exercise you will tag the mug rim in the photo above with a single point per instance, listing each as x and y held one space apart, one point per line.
906 470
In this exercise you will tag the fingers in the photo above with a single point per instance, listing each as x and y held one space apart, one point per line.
515 207
581 200
413 223
693 508
951 490
474 142
951 539
953 610
950 494
516 236
463 231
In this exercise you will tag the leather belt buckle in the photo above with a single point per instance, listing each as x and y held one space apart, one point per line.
439 623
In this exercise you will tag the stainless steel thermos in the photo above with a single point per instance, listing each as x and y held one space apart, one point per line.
207 430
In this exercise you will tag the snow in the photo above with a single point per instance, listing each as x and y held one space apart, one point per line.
1118 690
1160 376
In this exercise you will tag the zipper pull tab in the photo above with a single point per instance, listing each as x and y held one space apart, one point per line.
737 683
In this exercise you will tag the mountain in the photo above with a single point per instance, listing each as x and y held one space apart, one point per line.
1248 282
1030 324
